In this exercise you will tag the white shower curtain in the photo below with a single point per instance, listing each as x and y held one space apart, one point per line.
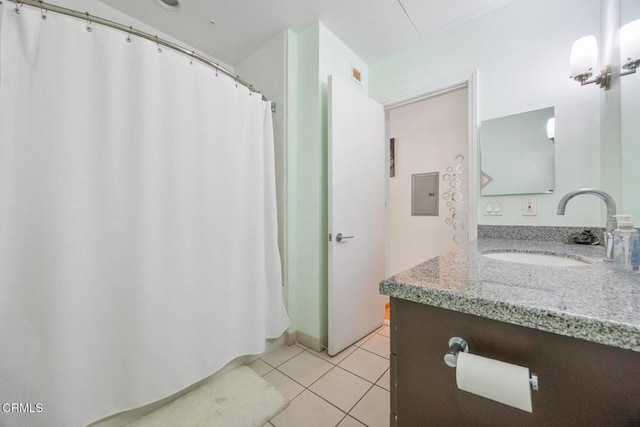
138 240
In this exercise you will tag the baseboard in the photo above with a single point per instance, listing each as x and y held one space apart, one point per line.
310 341
291 338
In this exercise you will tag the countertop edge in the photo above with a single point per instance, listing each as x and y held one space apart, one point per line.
608 333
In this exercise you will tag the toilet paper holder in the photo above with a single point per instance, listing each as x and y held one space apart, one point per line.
457 344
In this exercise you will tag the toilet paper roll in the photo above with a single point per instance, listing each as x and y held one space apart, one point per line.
495 380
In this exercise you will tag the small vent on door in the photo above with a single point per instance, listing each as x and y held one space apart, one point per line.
424 194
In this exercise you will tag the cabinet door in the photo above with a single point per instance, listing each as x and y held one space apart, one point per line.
581 383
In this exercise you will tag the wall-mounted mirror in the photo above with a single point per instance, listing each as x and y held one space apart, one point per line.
630 111
517 155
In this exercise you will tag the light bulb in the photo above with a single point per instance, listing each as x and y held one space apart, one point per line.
630 43
551 128
584 56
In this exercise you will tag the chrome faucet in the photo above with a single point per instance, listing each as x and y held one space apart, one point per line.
611 211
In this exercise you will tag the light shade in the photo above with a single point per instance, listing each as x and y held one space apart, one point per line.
630 42
551 128
172 5
584 56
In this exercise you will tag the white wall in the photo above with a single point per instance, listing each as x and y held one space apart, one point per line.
521 52
428 136
266 70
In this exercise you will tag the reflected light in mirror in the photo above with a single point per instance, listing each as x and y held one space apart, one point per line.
584 56
551 129
630 44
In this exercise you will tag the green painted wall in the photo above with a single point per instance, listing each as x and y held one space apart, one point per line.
314 54
306 254
291 129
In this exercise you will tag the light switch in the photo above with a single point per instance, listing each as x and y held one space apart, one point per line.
488 209
497 207
493 208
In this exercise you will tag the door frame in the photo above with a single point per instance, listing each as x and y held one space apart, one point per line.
468 79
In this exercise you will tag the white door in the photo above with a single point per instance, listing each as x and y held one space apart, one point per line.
356 190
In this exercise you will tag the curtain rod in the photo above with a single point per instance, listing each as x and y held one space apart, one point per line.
132 31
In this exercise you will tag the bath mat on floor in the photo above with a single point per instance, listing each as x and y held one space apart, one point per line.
240 398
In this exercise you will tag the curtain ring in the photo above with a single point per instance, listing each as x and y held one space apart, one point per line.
192 53
43 12
18 6
89 29
217 68
237 79
129 34
158 44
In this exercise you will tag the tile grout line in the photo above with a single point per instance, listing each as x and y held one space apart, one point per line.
321 376
353 373
347 413
369 351
342 419
303 387
316 394
306 388
334 366
356 404
372 385
275 367
353 416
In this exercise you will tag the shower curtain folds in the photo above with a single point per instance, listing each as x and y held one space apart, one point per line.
138 239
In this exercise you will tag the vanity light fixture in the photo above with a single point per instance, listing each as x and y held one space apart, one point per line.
584 56
551 129
583 59
630 47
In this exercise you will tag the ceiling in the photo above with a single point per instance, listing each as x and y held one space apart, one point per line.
371 28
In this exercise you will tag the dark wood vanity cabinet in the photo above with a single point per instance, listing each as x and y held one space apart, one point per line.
580 383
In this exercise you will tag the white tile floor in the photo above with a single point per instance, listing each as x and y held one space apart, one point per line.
350 389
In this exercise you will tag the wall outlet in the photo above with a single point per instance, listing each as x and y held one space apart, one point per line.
529 207
493 208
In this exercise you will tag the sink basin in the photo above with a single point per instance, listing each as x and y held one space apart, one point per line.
539 258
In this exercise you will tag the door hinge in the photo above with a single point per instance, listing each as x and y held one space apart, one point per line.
329 236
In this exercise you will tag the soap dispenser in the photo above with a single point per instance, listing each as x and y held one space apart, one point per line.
625 245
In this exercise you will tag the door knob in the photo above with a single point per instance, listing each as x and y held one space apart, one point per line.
340 237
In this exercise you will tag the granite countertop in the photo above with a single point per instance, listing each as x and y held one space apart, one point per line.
592 302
